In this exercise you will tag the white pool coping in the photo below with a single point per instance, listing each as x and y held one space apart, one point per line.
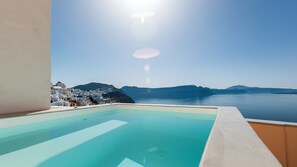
232 142
282 123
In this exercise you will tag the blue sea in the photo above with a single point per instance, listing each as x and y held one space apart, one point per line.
278 107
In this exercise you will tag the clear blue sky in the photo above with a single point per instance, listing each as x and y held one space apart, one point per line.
203 42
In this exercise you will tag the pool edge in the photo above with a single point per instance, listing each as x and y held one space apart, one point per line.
233 143
224 144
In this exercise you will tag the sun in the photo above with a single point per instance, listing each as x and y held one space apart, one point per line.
142 15
142 5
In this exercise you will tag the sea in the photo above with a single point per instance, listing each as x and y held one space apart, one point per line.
276 107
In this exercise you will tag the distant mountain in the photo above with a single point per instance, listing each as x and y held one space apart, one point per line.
179 92
240 89
192 91
119 96
128 94
94 86
109 91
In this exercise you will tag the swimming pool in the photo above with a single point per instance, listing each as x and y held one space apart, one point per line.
150 136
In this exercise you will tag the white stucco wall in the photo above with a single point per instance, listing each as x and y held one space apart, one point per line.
24 55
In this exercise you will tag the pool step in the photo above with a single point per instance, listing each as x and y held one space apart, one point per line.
36 154
129 163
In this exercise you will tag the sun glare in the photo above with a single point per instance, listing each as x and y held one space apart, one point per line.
142 15
141 5
144 9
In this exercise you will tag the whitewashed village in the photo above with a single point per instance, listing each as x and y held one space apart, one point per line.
85 95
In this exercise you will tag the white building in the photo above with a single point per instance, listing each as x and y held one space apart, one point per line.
25 55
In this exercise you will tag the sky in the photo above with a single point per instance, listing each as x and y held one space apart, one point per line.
211 43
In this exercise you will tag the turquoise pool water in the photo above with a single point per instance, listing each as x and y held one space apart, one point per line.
117 137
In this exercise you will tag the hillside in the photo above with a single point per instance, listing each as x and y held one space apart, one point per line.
94 86
107 91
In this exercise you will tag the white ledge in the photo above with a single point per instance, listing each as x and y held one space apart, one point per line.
234 143
261 121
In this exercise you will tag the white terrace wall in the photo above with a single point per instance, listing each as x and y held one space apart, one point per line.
24 55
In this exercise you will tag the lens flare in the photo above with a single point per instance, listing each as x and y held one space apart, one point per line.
147 68
146 53
148 80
